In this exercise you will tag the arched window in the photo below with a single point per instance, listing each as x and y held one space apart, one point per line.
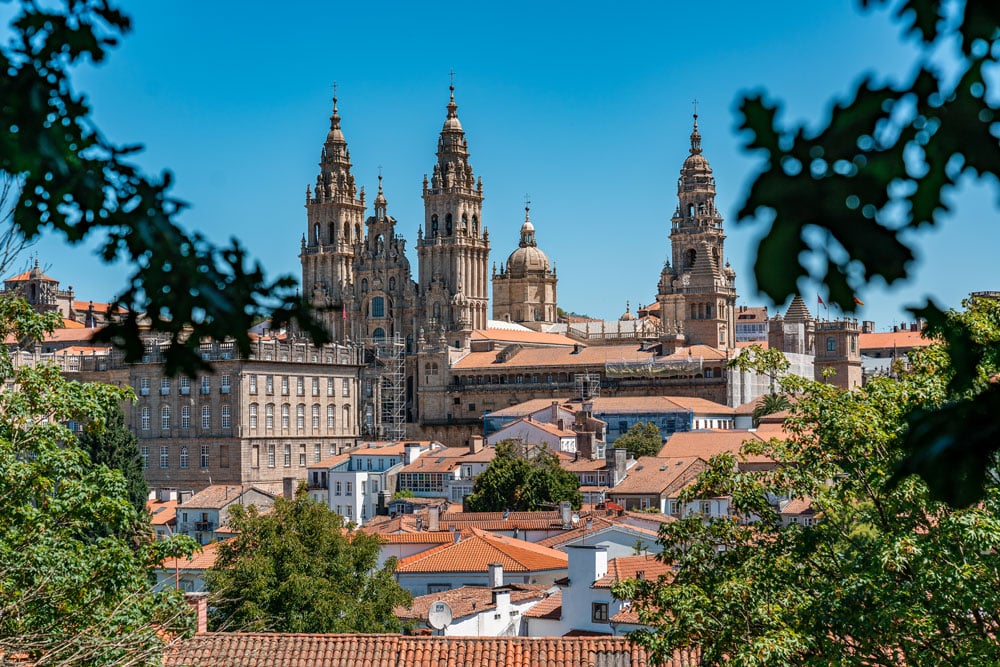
300 416
437 311
316 238
378 306
475 226
708 311
253 415
357 232
690 210
347 232
185 458
434 225
465 224
315 416
831 344
286 414
269 416
690 257
379 244
447 225
379 334
347 417
392 284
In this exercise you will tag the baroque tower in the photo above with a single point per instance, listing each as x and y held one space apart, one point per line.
697 292
453 247
335 212
525 290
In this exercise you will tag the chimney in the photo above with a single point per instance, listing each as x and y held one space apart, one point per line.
199 602
867 326
183 497
288 486
555 412
411 452
496 575
616 465
475 444
587 564
166 495
566 514
915 326
432 519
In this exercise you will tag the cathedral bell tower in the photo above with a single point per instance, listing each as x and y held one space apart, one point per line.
453 246
697 292
335 212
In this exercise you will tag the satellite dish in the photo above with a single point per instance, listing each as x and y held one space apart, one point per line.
576 518
439 615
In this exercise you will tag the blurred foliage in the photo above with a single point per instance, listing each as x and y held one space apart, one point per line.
643 439
850 192
523 478
77 183
882 575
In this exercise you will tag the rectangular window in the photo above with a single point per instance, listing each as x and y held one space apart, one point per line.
269 416
252 381
300 386
224 382
337 489
270 456
165 418
285 415
269 384
315 386
144 453
164 457
300 416
346 386
288 456
184 457
164 386
206 417
348 489
144 386
284 385
227 417
331 417
302 456
599 612
329 387
185 386
315 416
144 419
204 456
255 456
317 453
206 385
186 416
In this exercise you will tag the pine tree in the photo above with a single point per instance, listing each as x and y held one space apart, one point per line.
116 447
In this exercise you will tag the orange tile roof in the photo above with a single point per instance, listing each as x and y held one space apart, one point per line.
477 549
629 567
161 512
619 405
237 649
901 340
593 357
220 495
740 344
99 306
659 476
706 444
468 600
27 275
200 560
423 537
527 337
549 608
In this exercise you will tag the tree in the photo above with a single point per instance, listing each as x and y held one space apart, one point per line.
887 576
875 172
74 586
769 404
117 448
79 184
518 482
643 439
296 569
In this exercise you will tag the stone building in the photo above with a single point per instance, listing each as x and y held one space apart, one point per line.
44 294
697 289
524 291
251 421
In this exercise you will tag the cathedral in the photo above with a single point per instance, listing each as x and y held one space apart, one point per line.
455 359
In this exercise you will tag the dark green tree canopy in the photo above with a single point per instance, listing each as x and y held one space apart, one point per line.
643 439
116 447
848 196
297 569
517 481
886 576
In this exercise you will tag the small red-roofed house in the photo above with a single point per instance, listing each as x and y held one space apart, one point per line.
466 562
206 514
187 574
532 432
654 482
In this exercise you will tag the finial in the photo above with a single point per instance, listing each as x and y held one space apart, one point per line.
695 103
451 87
695 135
527 206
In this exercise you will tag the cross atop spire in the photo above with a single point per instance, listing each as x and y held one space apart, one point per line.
695 134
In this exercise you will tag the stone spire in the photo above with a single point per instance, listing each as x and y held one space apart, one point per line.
695 137
527 230
380 202
335 180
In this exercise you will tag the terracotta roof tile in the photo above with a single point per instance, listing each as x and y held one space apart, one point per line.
659 476
516 336
202 560
595 357
221 649
549 608
901 340
161 512
706 444
629 567
621 405
220 495
467 600
477 549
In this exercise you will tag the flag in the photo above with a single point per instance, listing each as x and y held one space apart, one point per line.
820 299
858 301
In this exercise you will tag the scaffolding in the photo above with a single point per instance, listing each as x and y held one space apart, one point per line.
390 373
588 386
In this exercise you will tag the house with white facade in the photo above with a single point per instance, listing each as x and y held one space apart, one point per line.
205 515
358 483
654 484
586 603
448 473
477 611
532 432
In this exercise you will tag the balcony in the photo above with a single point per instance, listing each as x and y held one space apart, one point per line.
204 526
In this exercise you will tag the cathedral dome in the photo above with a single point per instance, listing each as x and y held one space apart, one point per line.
528 257
627 316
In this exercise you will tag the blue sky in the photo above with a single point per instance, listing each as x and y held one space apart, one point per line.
584 107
